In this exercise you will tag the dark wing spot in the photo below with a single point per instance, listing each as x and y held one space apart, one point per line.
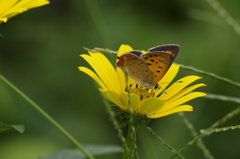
145 58
156 76
133 72
156 61
146 76
146 70
149 64
158 71
160 60
155 55
152 60
160 67
150 56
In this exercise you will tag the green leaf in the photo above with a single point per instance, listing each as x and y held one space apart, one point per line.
76 154
5 127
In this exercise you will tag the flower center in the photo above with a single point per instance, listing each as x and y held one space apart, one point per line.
141 91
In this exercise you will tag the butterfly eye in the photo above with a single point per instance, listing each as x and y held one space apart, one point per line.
156 87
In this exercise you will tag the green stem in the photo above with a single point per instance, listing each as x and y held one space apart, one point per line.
131 140
131 152
208 130
49 118
200 142
163 142
115 123
211 75
225 15
222 98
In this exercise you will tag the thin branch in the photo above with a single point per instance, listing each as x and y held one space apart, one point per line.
236 84
200 142
163 142
208 130
48 117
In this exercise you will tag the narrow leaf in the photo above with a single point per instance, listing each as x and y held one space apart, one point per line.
5 127
93 149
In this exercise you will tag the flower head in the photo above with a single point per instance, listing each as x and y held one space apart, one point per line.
127 94
10 8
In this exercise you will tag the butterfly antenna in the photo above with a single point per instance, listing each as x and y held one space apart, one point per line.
164 90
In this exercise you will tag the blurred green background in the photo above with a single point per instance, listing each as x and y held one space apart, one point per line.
40 55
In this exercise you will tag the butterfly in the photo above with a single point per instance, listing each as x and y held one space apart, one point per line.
147 69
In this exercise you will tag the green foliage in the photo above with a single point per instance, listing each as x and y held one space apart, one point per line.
5 127
39 54
95 150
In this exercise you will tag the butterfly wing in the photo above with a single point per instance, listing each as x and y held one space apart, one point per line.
137 68
172 49
158 62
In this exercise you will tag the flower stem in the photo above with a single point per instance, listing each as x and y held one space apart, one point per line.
115 123
48 117
131 152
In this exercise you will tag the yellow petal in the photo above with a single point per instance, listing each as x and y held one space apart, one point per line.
11 8
104 70
93 76
184 91
150 105
178 86
122 78
123 49
36 3
114 98
168 77
3 20
143 51
175 110
182 100
130 100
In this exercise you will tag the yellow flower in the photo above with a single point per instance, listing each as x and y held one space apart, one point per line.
151 103
10 8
